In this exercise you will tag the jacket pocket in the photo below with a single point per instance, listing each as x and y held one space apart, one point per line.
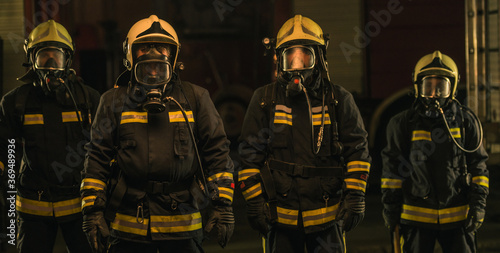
330 186
282 182
182 142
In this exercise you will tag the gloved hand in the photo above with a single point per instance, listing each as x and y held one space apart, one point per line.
474 219
351 211
256 213
391 218
96 230
223 219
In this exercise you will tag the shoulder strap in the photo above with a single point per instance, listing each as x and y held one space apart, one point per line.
21 99
188 93
119 97
337 146
269 99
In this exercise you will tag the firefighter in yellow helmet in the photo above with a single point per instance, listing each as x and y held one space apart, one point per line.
435 180
47 120
305 159
168 150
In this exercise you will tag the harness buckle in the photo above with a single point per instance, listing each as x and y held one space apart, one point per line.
298 170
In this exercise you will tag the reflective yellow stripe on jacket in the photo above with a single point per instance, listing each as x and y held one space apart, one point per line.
421 135
134 117
252 192
88 201
355 184
129 224
224 192
67 207
455 132
227 193
283 115
310 218
70 116
220 176
44 208
177 116
481 180
391 183
176 223
288 216
358 166
33 119
92 183
319 216
244 174
435 216
318 115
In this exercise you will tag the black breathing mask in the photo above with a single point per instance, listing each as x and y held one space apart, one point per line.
434 92
50 67
151 75
297 64
295 85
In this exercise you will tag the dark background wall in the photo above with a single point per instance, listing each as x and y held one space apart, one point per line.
222 51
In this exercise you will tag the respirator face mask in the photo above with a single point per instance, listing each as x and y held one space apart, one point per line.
151 74
435 91
298 64
49 64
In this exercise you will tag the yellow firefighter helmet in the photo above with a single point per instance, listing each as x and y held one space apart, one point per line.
150 30
300 30
436 64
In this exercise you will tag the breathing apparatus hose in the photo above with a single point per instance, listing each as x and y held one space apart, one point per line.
320 134
480 128
186 119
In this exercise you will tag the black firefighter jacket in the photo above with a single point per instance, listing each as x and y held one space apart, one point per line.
277 129
422 168
156 149
49 177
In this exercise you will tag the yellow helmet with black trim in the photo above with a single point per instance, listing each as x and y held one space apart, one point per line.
150 30
436 64
300 30
48 39
49 33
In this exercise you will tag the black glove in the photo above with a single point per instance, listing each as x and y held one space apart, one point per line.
256 213
96 230
351 211
474 220
223 219
391 218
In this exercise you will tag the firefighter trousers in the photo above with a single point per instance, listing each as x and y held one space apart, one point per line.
281 240
39 235
185 245
456 240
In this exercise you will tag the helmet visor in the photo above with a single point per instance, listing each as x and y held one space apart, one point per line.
298 58
52 58
153 72
164 49
435 87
